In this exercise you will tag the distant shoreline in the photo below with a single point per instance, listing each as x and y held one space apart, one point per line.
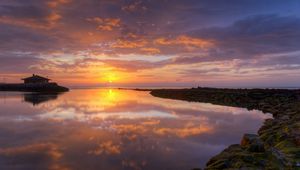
187 88
33 87
172 87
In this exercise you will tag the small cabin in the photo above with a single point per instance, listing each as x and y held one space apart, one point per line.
35 79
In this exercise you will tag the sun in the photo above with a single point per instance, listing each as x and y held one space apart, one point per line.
111 78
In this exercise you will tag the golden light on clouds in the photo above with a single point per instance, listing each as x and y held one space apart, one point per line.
186 41
105 24
168 47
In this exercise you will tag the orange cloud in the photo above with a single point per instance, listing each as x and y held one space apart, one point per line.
56 3
105 24
50 149
55 16
106 148
129 44
184 132
51 19
31 23
151 50
130 128
186 41
151 122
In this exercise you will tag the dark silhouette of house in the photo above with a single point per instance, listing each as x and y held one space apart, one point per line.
35 79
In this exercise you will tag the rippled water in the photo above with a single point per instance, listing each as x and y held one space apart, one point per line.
113 129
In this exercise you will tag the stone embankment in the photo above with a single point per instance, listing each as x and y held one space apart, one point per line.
277 144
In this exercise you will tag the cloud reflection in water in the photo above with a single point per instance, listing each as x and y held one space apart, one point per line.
116 129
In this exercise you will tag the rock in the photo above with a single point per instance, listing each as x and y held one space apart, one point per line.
222 160
280 133
257 146
280 157
252 143
218 164
284 117
237 157
248 139
297 140
295 134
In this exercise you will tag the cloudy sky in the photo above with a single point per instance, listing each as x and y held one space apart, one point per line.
238 43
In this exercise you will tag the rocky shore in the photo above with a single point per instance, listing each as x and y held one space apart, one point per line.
277 144
34 87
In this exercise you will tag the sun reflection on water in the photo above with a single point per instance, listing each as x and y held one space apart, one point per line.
132 128
111 96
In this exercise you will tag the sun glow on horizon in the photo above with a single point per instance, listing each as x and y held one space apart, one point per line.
111 78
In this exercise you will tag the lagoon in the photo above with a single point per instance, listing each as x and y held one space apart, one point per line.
115 129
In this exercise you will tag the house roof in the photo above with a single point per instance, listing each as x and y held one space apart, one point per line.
35 77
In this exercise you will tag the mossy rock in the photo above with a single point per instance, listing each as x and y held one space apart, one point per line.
282 132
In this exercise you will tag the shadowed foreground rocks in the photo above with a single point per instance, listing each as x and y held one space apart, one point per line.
277 144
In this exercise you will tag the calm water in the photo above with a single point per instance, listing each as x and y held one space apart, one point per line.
115 129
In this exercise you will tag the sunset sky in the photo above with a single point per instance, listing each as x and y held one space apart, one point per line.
230 43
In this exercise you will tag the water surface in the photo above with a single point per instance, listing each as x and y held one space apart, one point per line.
115 129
